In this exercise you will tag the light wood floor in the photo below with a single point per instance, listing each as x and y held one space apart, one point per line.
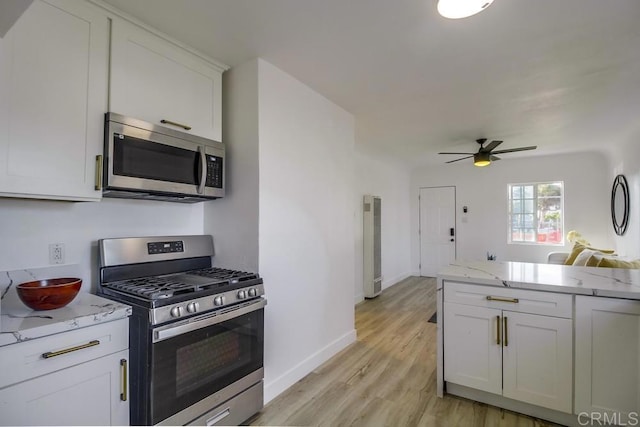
387 377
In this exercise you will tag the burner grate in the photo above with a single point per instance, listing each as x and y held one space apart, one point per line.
232 276
160 287
152 287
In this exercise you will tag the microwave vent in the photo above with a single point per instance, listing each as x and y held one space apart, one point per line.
118 194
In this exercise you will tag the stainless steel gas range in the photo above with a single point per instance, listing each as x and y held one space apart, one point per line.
196 333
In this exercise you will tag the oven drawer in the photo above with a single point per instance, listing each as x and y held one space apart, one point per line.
41 356
234 411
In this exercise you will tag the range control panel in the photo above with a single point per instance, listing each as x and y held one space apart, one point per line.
165 247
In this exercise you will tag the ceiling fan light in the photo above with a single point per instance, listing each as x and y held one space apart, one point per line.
456 9
481 159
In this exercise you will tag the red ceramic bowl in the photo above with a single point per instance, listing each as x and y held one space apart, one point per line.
49 294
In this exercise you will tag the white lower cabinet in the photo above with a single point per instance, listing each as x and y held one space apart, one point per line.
522 356
608 359
473 357
86 394
537 360
78 377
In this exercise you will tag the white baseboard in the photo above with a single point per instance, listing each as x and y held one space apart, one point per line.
395 280
385 284
415 273
273 388
358 298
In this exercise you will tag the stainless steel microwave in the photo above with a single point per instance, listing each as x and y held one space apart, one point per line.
146 161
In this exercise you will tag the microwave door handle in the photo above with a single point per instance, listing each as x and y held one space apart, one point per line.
203 169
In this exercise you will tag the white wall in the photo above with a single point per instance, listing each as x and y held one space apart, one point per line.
27 227
233 220
306 227
625 159
289 214
377 176
484 190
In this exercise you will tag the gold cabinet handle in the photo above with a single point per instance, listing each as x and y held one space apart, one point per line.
499 332
50 354
506 332
123 370
98 172
513 300
180 125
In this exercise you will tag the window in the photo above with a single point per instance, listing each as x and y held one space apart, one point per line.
535 213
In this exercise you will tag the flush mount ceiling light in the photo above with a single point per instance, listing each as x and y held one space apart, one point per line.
482 159
456 9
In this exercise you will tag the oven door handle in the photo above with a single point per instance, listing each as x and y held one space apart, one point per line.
207 320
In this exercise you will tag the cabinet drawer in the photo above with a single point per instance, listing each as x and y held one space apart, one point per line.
26 360
534 302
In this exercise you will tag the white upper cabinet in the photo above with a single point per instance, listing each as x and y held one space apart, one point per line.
53 96
157 81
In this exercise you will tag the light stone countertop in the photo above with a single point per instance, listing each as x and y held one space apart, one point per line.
19 323
595 281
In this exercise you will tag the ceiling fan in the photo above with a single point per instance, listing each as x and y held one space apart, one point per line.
486 155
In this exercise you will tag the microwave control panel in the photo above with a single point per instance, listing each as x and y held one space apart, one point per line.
214 171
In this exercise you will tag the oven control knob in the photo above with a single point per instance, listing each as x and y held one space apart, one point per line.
218 300
192 307
252 292
242 294
177 311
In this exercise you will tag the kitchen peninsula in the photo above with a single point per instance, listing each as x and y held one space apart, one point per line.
556 342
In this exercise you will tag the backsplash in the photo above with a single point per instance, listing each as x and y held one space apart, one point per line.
29 227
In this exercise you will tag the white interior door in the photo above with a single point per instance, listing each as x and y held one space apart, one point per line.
437 229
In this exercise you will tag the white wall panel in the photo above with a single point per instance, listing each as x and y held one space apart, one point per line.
306 226
376 175
233 220
625 159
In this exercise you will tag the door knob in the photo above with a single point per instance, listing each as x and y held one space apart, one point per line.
452 240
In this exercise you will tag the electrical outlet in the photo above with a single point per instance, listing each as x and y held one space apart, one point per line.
56 253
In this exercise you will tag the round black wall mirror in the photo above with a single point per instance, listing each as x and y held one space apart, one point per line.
620 205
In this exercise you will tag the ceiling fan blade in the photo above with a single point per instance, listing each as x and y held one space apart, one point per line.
457 153
511 150
491 146
462 158
492 158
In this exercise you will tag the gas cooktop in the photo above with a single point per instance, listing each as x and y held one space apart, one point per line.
203 280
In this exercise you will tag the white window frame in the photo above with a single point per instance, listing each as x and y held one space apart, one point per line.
536 219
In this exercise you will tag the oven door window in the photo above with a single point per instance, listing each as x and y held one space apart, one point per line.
140 158
194 365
